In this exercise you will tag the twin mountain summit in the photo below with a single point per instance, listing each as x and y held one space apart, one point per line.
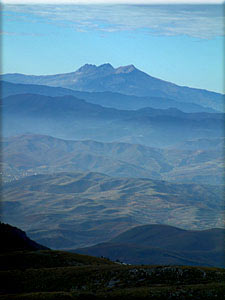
96 155
126 80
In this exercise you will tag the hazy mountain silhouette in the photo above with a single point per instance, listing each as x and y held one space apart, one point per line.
126 80
72 118
107 99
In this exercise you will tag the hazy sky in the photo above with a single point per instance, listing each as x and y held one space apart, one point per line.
179 43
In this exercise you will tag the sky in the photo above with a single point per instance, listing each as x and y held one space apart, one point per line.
179 43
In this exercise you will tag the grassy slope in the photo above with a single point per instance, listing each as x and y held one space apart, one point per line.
48 274
95 278
22 260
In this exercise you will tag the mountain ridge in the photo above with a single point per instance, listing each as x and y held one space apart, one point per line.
126 80
30 154
157 243
107 99
106 66
64 117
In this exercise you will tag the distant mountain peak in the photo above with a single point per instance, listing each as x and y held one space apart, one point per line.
93 69
127 80
106 66
126 69
87 68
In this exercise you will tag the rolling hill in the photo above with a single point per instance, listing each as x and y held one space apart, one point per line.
163 244
71 210
199 161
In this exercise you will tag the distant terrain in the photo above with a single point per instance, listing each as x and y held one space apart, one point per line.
71 118
71 210
107 99
199 161
126 80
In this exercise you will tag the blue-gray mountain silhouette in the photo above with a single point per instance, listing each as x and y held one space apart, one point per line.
107 99
126 80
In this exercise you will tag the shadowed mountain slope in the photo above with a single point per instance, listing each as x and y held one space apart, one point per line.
14 239
17 251
163 244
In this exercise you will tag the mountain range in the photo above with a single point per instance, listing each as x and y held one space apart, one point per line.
106 99
71 118
126 80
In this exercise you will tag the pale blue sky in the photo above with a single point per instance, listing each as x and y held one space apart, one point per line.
178 43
